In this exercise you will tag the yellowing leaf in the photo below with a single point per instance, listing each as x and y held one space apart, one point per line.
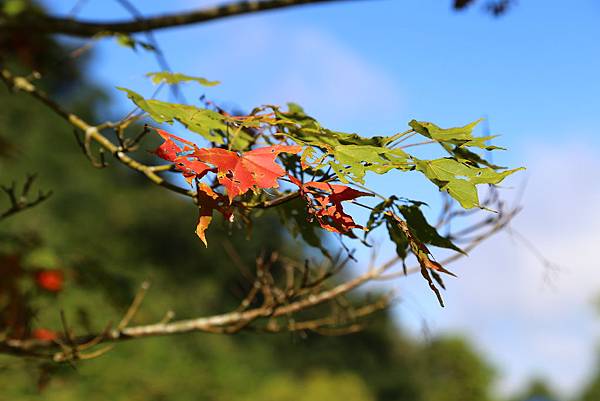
172 78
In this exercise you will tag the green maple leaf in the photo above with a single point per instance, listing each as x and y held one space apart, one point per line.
460 136
351 162
460 179
172 78
208 123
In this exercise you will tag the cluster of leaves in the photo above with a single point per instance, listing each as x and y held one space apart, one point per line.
236 172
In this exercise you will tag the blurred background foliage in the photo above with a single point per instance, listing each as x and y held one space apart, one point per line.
107 230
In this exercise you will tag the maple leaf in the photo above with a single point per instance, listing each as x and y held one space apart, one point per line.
171 152
422 253
324 201
208 201
239 173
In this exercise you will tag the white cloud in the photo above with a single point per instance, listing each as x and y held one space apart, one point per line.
328 77
261 63
526 319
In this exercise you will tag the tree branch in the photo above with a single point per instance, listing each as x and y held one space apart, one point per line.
69 26
283 302
20 202
271 304
91 132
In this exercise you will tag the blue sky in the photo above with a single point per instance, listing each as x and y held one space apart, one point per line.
372 66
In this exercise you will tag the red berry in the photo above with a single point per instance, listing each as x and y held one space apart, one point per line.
50 280
44 334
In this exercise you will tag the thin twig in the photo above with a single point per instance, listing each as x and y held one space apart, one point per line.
135 305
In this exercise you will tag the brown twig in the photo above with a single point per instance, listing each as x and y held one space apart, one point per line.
135 305
20 202
276 303
69 26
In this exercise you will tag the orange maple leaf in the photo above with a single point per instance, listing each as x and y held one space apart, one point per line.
208 201
170 151
324 201
239 173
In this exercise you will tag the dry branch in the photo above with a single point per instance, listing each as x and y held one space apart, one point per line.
49 24
20 201
277 300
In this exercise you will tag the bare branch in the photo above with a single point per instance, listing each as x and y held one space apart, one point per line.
278 301
290 301
20 202
69 26
135 305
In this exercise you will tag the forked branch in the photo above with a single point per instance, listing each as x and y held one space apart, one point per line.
272 305
20 199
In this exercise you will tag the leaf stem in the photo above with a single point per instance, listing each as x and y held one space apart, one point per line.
398 136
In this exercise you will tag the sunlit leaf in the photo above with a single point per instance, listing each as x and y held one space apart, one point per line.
304 129
351 162
459 179
208 201
172 78
210 124
132 43
461 136
253 169
169 150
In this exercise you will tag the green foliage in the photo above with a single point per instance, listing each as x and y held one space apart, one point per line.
294 217
208 123
13 8
131 42
423 230
350 155
397 237
123 244
454 372
537 390
317 386
327 154
352 162
460 179
305 129
591 391
172 78
460 136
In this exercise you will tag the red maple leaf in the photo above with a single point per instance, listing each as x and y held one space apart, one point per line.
324 201
181 157
239 173
208 201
